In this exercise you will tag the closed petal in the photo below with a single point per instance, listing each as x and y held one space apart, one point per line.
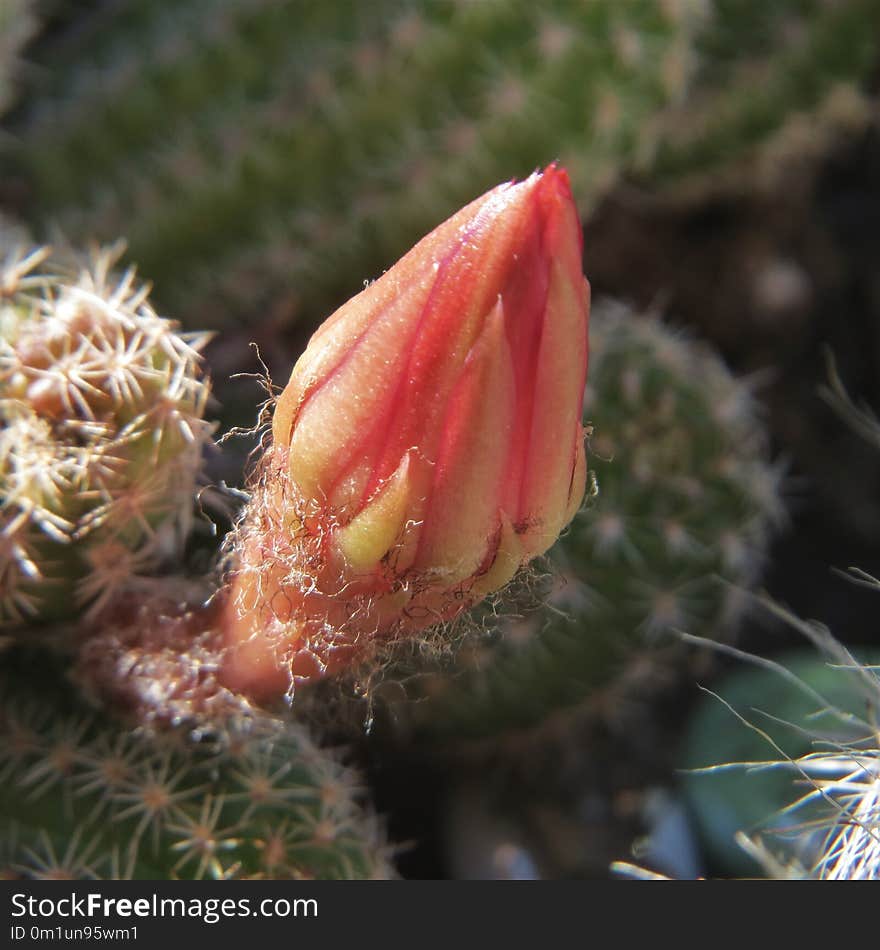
507 559
370 535
555 426
578 479
469 281
463 513
412 275
353 403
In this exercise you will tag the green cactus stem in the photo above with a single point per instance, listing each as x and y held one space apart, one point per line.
84 798
101 434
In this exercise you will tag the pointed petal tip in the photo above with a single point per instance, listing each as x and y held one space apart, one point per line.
555 184
552 178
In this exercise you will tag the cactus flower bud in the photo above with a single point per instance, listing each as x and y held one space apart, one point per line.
428 444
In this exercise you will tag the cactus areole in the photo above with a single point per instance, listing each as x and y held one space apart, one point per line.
428 444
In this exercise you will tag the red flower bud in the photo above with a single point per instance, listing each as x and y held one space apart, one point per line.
428 443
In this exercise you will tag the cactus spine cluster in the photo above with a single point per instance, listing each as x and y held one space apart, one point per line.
788 755
102 405
687 499
85 799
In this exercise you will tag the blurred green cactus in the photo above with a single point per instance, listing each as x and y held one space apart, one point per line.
257 152
686 503
278 153
101 434
762 66
82 798
18 23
